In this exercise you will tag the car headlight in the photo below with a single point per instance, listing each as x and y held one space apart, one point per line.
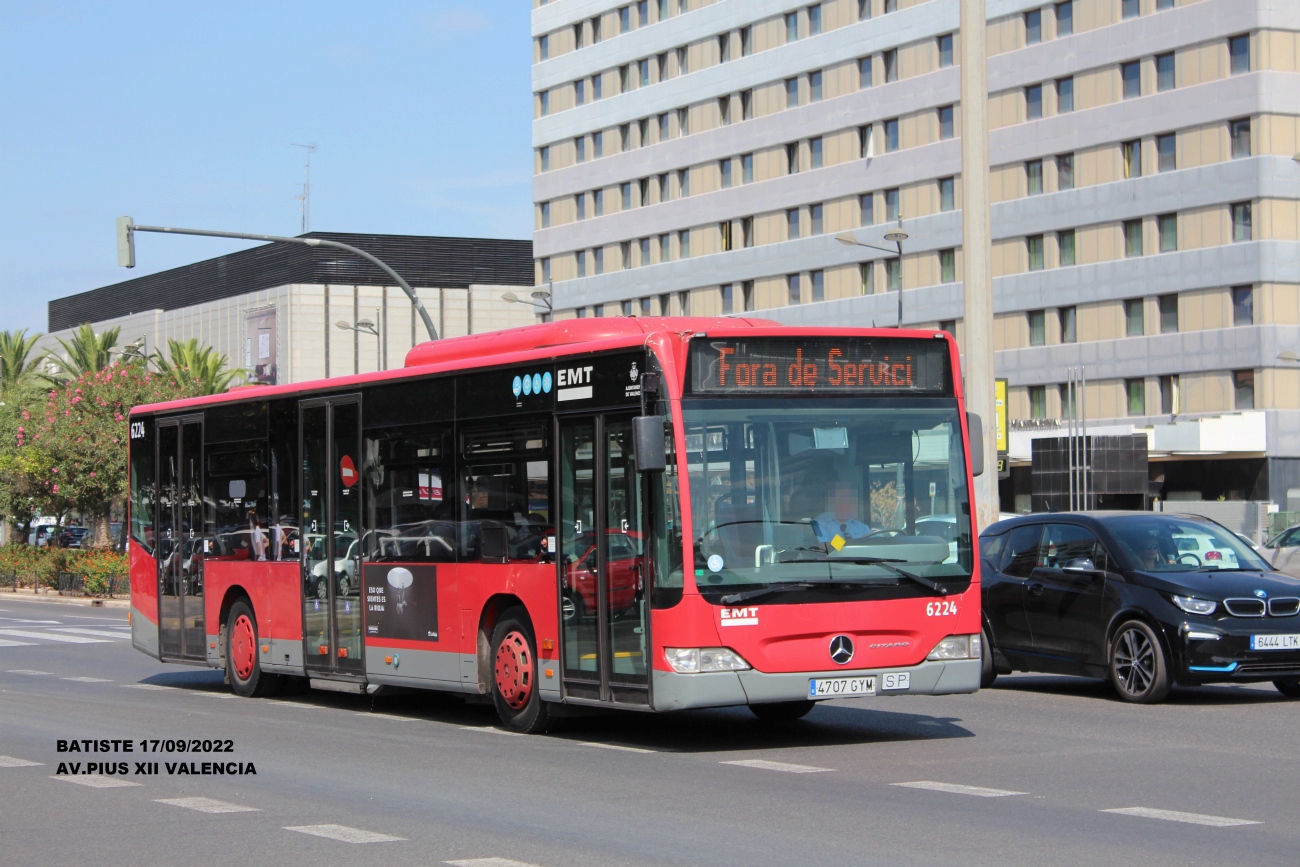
957 647
1192 605
693 660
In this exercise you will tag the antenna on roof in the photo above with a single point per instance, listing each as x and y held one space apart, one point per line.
305 198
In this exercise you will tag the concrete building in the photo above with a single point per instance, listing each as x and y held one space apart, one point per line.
273 310
702 156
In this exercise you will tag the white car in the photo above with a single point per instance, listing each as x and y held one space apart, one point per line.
1284 550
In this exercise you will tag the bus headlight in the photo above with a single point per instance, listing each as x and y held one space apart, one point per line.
693 660
957 647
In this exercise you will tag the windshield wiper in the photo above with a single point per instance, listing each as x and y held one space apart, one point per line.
787 586
888 563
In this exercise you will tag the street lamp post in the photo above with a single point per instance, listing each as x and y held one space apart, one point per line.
542 301
126 229
896 237
367 327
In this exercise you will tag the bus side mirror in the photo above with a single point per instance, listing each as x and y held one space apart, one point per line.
650 442
976 427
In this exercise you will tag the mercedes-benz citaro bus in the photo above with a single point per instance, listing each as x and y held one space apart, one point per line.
642 513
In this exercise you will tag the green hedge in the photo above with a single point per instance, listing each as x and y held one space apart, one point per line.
35 565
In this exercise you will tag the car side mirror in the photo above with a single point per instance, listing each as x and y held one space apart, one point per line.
1080 566
976 427
651 443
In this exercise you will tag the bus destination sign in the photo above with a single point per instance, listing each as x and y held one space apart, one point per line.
820 365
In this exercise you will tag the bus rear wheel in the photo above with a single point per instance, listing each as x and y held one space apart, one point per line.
242 667
514 675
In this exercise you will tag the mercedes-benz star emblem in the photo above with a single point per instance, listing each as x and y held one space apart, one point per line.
841 649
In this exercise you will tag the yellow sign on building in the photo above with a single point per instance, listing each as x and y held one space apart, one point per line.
1000 413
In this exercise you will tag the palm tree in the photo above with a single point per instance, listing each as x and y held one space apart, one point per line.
85 352
196 369
18 368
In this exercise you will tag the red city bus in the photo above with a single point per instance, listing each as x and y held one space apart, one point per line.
645 513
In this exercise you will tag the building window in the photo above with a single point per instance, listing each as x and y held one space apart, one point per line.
891 135
866 209
598 260
945 50
894 275
815 217
1134 324
544 47
544 155
948 266
643 132
890 58
1239 52
1169 395
580 204
814 20
579 92
747 168
580 148
683 61
792 288
724 47
947 194
864 73
683 303
581 259
1065 172
1132 158
792 158
1243 387
1034 177
683 121
645 252
728 298
1137 396
1243 305
747 230
546 215
792 224
1239 132
864 10
1161 5
625 137
1034 102
867 141
891 6
577 35
1033 27
1132 238
544 99
580 312
546 270
1065 95
684 243
949 326
1168 224
791 92
665 247
818 286
625 195
891 205
1168 314
945 122
643 67
1065 243
747 295
1167 152
867 275
746 41
1038 401
1165 78
724 233
1131 74
1241 222
1131 8
747 105
597 86
791 26
1069 328
724 110
724 167
1067 400
684 183
598 203
644 304
1034 247
815 86
1065 19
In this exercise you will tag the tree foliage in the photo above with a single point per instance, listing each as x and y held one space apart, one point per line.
19 368
85 352
196 369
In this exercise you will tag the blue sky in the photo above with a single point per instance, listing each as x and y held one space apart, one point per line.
184 113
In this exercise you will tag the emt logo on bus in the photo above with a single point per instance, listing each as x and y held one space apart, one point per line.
854 365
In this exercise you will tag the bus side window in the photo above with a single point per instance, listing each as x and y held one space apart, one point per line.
142 482
507 493
410 505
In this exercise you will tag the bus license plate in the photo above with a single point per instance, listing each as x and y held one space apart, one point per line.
1275 642
839 687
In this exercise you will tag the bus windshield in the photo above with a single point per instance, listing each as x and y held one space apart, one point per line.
864 491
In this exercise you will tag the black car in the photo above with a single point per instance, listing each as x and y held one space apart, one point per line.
1143 599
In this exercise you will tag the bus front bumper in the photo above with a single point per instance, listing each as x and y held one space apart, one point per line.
727 689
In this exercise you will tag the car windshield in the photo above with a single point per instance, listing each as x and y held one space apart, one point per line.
1166 544
798 489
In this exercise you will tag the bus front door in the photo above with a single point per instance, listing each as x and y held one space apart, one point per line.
180 535
329 536
603 573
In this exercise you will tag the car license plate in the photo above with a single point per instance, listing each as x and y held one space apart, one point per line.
834 687
1275 642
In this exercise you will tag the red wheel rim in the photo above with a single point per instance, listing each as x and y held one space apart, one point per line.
514 670
243 647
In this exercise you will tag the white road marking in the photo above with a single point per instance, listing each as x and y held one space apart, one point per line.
489 862
343 833
207 805
1175 816
102 633
51 636
145 686
27 671
764 764
618 747
212 694
95 781
4 642
22 620
958 789
87 679
11 762
492 731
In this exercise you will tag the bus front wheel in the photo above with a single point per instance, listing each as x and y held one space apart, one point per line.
242 667
515 674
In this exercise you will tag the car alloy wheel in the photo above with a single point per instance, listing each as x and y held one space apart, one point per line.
1138 667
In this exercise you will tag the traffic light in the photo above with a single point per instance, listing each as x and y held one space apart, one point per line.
125 242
